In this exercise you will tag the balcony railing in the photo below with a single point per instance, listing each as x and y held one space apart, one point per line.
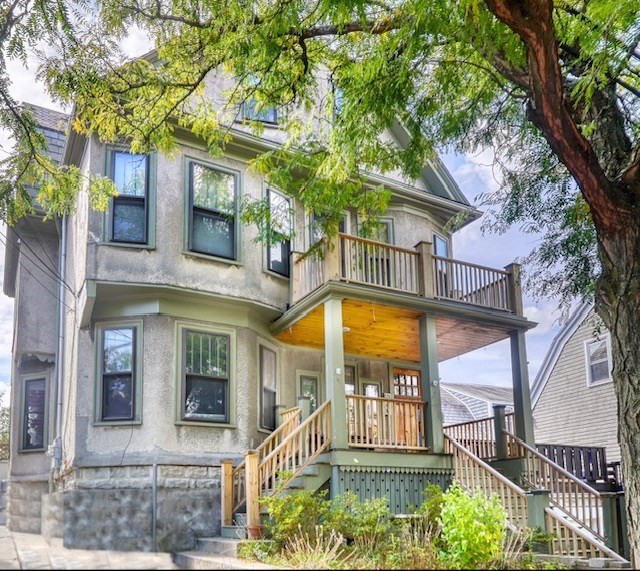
416 272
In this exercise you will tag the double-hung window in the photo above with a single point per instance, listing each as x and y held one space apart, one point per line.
212 203
129 217
279 243
205 394
118 373
34 413
252 111
598 354
268 376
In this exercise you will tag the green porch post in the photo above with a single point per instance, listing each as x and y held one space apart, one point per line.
521 392
334 371
431 384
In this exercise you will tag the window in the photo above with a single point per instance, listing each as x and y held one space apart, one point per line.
440 246
252 111
441 249
129 210
315 227
280 219
267 388
212 203
34 414
308 387
117 374
406 384
205 394
598 354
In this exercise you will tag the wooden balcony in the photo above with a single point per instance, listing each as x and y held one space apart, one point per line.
417 272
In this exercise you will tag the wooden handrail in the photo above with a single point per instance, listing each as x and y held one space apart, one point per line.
376 422
556 523
566 492
470 265
376 243
473 473
478 436
290 417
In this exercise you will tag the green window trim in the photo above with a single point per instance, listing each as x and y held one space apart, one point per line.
34 412
109 236
197 373
123 379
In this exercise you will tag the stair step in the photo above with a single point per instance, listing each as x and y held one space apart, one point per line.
198 560
219 546
234 532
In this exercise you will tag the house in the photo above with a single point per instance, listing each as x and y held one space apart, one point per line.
156 345
466 402
572 395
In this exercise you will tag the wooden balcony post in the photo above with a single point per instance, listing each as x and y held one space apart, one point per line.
499 424
226 491
334 371
521 390
252 486
332 259
537 503
426 287
515 288
294 281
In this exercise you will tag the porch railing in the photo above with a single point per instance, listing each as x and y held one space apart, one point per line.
566 492
475 474
412 271
479 436
385 423
290 421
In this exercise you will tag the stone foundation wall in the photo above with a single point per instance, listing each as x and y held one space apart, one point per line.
113 508
25 504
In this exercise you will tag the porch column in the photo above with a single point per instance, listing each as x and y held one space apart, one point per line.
521 392
431 384
334 371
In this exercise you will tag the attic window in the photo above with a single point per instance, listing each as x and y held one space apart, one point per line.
598 357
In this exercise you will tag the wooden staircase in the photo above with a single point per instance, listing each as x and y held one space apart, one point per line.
574 514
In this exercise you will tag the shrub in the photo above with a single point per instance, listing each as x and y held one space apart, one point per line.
472 529
322 550
431 507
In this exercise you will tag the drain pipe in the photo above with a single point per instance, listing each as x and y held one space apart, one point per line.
57 442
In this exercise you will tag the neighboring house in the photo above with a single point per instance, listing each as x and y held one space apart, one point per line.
572 396
468 402
157 340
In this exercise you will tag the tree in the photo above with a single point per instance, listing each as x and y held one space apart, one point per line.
553 87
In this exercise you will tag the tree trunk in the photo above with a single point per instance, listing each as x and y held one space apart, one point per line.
618 305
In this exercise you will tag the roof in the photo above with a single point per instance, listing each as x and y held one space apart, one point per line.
460 400
53 125
555 349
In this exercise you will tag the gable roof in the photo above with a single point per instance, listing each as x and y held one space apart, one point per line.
462 401
555 349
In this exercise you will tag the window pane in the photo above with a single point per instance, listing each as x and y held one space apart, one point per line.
268 368
598 350
268 409
129 221
309 388
118 397
266 114
206 399
213 235
599 371
213 189
279 258
130 173
440 247
207 354
371 390
280 210
118 350
34 409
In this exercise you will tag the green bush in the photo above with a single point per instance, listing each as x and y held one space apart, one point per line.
472 529
431 507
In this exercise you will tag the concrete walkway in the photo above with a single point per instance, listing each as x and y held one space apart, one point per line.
31 551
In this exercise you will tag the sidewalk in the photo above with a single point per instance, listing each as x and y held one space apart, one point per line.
31 551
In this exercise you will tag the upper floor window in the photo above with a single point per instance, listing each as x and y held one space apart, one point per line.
117 377
598 355
440 246
34 414
252 111
129 213
315 227
278 251
206 377
212 204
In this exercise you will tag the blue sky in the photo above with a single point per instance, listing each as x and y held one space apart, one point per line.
490 365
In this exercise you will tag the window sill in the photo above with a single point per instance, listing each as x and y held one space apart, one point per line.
599 383
129 245
276 275
212 258
31 450
211 424
117 423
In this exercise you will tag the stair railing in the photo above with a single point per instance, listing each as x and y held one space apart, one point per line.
566 492
290 421
478 436
475 474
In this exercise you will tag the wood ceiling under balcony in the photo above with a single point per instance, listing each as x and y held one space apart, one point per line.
391 333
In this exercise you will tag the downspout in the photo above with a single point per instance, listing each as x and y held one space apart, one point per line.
62 259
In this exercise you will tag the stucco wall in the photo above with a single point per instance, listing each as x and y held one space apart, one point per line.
570 412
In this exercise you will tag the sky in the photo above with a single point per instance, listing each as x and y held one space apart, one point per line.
489 365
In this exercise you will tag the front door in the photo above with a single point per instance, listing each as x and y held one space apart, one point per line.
407 389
